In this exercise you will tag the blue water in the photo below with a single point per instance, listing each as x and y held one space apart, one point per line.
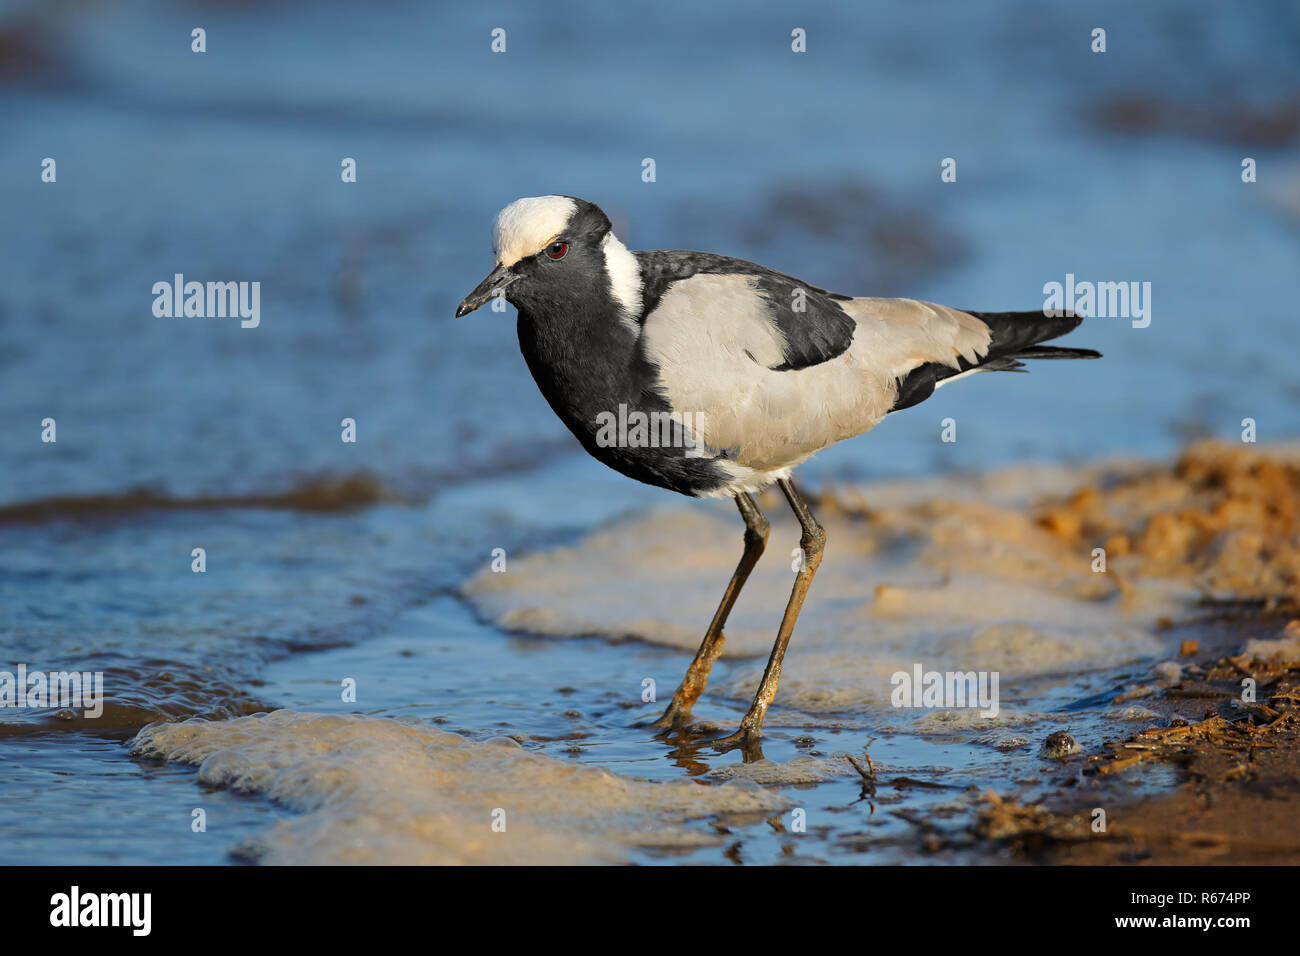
225 166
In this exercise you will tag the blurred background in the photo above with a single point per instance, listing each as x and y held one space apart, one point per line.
175 433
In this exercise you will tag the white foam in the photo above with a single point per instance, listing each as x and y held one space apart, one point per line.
372 791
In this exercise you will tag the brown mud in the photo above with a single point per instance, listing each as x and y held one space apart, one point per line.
1227 519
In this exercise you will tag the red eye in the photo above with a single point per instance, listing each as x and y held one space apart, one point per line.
556 250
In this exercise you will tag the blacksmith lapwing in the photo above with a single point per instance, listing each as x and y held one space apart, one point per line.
713 376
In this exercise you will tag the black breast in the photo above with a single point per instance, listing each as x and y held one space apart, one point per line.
589 370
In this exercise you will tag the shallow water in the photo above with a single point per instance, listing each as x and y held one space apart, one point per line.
479 683
225 166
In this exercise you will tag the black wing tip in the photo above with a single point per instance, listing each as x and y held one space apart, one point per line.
1014 333
1056 352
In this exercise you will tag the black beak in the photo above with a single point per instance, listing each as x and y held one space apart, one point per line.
493 285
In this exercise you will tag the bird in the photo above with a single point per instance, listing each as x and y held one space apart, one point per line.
712 376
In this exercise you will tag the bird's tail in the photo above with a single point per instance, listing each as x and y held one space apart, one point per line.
1016 336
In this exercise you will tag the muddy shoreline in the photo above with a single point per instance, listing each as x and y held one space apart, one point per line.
1237 801
1225 715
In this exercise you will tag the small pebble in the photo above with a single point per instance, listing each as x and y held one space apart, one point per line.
1060 744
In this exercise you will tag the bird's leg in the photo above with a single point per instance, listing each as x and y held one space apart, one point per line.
697 675
812 541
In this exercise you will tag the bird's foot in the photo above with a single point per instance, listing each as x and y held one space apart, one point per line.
679 725
747 739
676 717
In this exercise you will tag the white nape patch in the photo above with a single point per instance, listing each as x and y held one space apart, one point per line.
624 278
527 225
